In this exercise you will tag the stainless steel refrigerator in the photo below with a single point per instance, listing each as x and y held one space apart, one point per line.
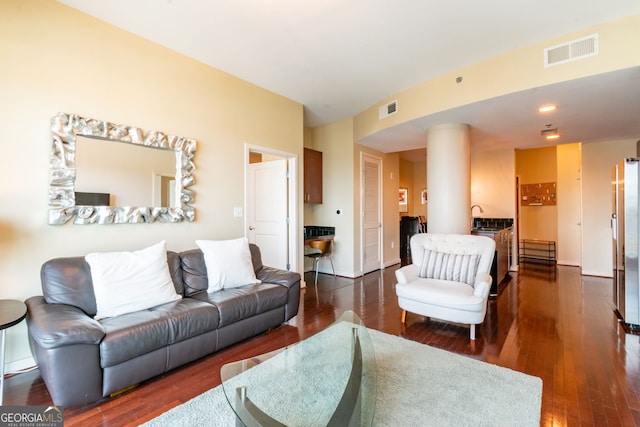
625 230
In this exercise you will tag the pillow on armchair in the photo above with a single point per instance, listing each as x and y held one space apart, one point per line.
448 266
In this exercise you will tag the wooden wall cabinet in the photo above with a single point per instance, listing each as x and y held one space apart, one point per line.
312 176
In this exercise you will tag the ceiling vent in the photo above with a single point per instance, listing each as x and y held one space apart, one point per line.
581 48
387 110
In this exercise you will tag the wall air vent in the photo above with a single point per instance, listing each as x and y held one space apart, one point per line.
577 49
387 110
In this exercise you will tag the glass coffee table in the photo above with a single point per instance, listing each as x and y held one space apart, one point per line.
328 379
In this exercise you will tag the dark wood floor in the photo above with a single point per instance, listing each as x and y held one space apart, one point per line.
558 326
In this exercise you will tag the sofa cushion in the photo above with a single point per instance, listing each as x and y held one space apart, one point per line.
134 334
68 281
125 282
441 293
449 266
246 301
228 263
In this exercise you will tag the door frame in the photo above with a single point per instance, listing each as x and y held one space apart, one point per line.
292 199
515 245
377 160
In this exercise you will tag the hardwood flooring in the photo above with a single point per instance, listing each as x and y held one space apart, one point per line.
555 324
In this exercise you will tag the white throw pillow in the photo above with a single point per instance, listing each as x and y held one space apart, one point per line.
124 282
228 263
446 266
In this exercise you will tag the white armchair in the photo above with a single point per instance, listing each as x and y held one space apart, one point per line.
449 278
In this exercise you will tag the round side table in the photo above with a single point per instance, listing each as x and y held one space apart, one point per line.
11 313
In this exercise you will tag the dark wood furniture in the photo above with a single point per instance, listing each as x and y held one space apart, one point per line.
312 176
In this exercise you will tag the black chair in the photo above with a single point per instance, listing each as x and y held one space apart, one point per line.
409 225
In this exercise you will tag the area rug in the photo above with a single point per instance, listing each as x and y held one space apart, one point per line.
415 385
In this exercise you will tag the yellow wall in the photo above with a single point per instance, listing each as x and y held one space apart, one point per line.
406 182
391 224
537 166
336 143
57 59
493 183
413 177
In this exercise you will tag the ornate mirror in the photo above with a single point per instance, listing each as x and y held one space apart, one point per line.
105 173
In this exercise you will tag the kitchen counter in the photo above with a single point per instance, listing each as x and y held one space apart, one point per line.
500 266
316 232
487 230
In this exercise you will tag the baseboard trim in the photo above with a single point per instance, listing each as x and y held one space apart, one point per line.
17 366
597 274
392 262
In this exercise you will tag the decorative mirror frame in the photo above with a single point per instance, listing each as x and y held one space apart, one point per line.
65 128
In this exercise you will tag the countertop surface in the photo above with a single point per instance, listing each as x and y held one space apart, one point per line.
489 230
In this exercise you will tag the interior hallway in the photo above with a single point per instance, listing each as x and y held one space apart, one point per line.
559 327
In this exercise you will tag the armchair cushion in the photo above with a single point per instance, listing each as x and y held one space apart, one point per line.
443 293
449 266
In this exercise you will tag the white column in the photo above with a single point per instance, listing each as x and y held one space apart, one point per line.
449 178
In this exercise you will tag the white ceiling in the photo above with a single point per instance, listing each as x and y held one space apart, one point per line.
340 57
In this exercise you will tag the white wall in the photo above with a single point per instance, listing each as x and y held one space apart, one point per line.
597 161
57 59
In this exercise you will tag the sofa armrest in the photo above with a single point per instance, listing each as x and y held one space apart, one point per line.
277 276
57 325
407 274
482 284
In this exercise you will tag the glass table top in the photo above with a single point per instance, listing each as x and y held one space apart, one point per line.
327 379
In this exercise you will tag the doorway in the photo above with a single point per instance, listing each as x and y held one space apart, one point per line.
371 212
271 216
554 215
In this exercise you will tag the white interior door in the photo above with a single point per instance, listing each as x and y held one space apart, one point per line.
569 204
371 169
267 208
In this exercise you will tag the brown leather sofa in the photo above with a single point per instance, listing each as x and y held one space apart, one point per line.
84 360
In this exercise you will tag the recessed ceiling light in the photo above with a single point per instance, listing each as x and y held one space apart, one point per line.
550 133
547 108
